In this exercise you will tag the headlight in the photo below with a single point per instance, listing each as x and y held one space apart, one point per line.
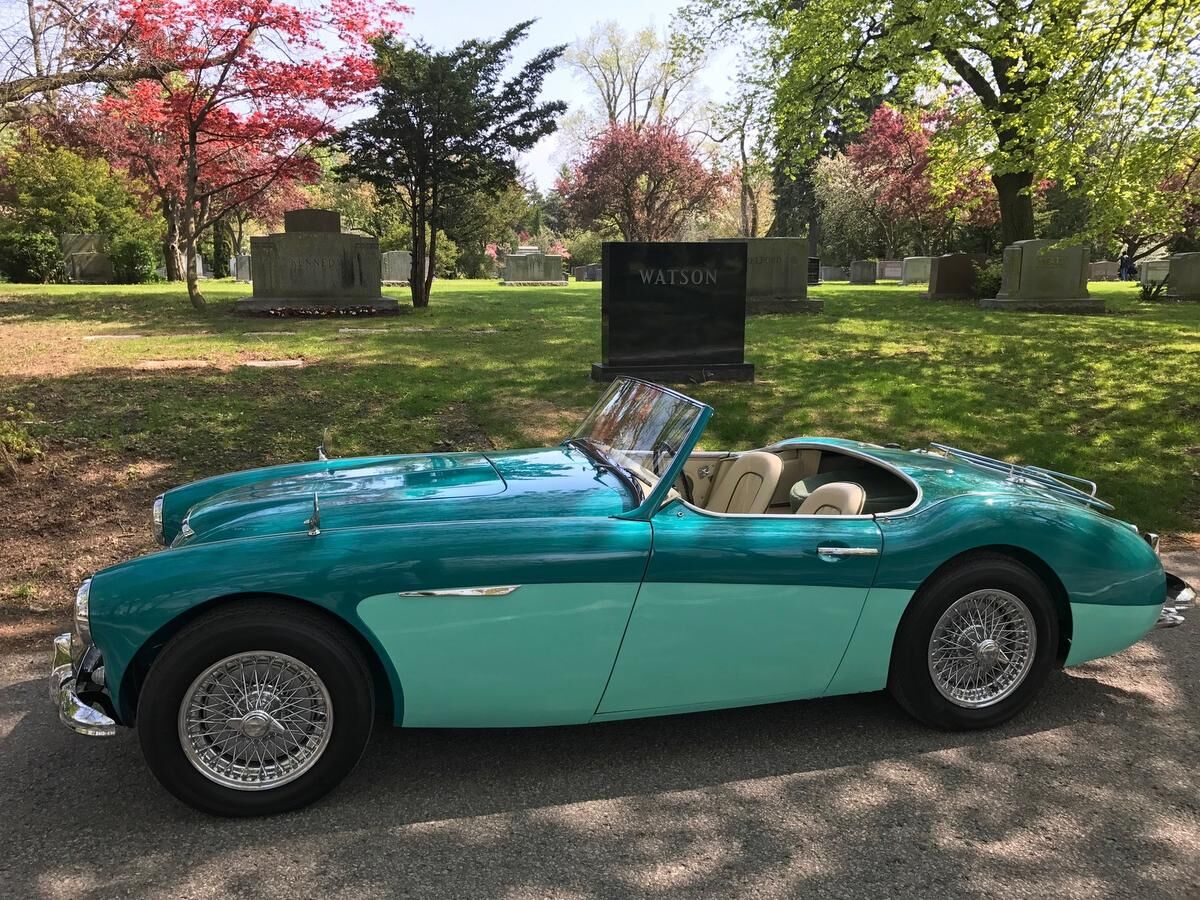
82 621
156 522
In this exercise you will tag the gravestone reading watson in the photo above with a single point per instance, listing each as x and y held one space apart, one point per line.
777 275
674 312
889 269
1184 280
915 270
952 277
314 265
862 271
533 268
1038 277
85 259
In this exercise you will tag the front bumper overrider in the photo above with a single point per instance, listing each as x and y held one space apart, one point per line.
72 671
1180 597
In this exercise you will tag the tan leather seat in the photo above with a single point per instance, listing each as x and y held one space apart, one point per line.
841 498
748 485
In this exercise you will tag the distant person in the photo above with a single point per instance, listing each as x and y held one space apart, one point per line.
1124 267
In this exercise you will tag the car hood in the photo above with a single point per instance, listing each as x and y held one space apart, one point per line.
395 490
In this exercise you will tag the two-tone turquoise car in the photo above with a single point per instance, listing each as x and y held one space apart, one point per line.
621 574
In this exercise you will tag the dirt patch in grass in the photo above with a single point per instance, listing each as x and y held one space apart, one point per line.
461 431
67 514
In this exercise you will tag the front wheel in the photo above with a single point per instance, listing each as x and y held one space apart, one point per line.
976 646
256 708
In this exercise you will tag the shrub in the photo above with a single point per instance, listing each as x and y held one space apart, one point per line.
988 279
1152 292
31 257
134 260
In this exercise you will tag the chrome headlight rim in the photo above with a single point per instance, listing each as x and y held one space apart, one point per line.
156 519
83 625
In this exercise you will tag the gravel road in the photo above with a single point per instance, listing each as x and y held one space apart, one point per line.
1093 792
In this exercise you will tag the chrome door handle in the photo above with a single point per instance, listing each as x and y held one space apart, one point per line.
847 551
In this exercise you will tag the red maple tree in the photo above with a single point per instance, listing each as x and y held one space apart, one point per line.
894 154
644 182
258 81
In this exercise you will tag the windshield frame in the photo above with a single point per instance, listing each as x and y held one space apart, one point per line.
652 499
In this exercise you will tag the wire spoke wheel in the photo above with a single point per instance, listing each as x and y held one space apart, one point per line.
255 720
982 648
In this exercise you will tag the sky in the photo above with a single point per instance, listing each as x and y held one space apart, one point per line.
450 22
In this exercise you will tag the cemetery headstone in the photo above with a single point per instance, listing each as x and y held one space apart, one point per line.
889 269
314 265
1104 270
1183 282
862 271
241 268
814 270
674 312
835 273
532 267
1153 271
1037 276
777 275
85 259
590 272
397 266
915 270
952 276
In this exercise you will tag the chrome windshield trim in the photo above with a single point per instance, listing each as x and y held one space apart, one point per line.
500 590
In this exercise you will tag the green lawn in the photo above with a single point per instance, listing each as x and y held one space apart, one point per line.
1112 397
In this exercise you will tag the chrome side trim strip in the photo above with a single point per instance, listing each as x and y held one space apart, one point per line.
500 590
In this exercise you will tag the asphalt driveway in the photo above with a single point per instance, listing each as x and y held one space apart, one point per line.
1094 792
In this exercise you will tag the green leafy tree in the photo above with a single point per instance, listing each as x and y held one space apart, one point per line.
446 126
1033 80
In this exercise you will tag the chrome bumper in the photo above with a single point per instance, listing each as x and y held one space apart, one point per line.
1180 597
73 712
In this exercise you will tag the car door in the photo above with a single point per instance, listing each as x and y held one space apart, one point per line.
738 609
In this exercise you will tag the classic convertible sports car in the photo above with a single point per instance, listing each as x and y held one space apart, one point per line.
621 574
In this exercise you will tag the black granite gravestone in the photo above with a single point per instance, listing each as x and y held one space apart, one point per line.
674 312
814 270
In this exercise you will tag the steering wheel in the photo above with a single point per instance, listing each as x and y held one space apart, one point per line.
656 453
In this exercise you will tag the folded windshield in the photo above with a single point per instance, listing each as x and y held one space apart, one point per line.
640 427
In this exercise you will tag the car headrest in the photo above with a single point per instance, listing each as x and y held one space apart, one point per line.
841 498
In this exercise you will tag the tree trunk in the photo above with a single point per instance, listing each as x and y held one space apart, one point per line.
416 279
173 258
1015 192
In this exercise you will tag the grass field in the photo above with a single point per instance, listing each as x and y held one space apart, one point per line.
1113 397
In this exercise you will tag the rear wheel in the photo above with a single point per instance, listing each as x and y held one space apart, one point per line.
256 708
976 645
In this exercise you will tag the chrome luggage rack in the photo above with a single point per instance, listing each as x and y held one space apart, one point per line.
1058 482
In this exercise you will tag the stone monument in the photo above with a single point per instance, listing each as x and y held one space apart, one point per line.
313 264
1040 277
241 268
1153 271
674 311
814 270
1184 280
862 271
777 275
85 259
952 276
590 272
1104 270
835 273
915 270
889 269
396 266
532 267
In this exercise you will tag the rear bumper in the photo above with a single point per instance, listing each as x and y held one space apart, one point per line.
1180 597
66 674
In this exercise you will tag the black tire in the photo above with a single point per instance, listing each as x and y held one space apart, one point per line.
248 625
909 679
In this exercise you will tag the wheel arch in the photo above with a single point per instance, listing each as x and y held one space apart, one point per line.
135 673
1042 569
